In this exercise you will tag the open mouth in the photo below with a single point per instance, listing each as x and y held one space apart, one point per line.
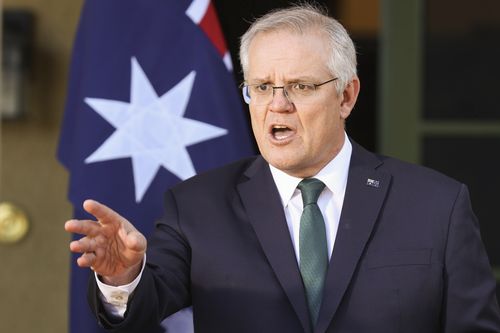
281 132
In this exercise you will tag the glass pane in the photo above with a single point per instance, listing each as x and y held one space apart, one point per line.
461 60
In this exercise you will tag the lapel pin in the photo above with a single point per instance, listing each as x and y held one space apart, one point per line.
373 183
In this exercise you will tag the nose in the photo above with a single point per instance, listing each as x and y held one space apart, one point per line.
280 102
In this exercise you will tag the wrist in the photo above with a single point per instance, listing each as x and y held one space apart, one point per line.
123 279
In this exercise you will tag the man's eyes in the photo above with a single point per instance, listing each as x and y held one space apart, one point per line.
297 86
263 87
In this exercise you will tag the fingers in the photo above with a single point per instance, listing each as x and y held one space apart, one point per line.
109 246
86 260
83 227
82 245
102 212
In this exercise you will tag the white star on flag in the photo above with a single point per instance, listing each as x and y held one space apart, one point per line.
151 130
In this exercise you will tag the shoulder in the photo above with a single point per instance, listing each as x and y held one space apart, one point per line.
421 186
408 177
417 175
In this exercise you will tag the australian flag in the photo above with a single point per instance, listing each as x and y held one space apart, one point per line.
151 101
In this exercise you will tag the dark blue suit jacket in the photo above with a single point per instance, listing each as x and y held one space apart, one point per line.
408 257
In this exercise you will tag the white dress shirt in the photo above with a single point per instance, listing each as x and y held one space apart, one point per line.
333 175
114 299
330 201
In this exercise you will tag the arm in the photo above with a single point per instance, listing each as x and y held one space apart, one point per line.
164 287
470 303
112 248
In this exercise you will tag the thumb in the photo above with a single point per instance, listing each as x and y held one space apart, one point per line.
136 241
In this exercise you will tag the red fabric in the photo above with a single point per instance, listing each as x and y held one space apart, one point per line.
210 24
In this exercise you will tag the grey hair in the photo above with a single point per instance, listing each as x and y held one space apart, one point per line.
300 19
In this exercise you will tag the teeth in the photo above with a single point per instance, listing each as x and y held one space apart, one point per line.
281 132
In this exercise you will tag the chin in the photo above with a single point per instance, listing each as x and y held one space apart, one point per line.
284 166
289 168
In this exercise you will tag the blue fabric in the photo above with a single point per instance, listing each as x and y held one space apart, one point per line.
168 45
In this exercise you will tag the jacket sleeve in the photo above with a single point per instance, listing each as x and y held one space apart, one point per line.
164 287
470 303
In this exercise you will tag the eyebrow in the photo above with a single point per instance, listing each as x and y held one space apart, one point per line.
303 78
307 79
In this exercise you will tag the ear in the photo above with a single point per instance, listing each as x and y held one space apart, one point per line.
349 97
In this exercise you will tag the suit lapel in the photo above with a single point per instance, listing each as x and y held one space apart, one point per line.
365 193
265 211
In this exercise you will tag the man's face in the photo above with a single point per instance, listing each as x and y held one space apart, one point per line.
299 139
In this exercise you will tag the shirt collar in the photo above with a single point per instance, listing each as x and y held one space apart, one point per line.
333 175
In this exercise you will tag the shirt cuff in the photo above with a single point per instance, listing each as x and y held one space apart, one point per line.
115 298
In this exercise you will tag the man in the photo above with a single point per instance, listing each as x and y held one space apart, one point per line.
315 235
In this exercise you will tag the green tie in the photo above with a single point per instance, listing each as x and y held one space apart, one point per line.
312 245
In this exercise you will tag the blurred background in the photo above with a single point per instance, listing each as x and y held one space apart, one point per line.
429 72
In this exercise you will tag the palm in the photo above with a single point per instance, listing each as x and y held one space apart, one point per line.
112 247
113 257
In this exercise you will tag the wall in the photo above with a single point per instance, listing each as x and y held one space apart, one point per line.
361 17
34 272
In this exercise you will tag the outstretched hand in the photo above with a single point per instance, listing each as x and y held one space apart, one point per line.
112 246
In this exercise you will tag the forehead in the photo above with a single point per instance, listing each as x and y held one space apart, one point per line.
288 54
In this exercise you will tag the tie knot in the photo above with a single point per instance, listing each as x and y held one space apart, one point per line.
310 188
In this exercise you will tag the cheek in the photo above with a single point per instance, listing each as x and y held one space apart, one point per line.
316 123
257 120
322 129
